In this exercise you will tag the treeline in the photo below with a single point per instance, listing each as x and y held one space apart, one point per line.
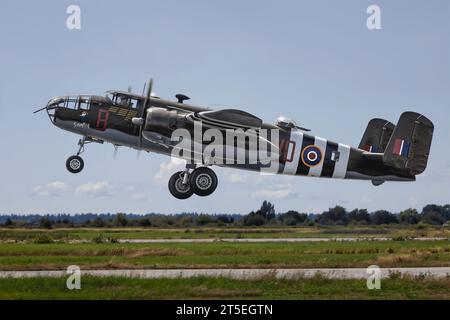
108 220
431 214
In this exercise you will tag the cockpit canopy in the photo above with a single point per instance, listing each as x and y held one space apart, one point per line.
79 102
124 98
86 102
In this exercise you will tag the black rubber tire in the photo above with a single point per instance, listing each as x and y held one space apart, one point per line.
203 181
75 164
177 189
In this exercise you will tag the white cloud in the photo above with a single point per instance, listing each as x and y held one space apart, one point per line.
54 189
95 189
237 178
166 169
264 178
278 191
139 197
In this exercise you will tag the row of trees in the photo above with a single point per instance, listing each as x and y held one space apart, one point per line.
430 214
124 220
265 215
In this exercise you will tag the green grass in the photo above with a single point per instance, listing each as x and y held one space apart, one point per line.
155 233
222 288
26 249
30 256
224 232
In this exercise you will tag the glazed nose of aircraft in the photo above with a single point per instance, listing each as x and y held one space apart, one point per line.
55 103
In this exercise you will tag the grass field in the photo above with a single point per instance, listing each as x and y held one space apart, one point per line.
225 232
35 249
221 288
30 256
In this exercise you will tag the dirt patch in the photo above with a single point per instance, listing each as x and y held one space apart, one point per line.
403 259
104 252
218 293
161 252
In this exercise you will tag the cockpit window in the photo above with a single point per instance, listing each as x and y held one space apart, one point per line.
71 102
123 100
134 103
109 96
84 103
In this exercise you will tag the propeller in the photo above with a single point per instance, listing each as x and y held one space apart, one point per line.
140 121
116 149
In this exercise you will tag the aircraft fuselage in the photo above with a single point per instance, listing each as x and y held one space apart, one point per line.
301 153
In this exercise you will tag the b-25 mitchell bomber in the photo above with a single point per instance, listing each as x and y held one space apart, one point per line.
235 138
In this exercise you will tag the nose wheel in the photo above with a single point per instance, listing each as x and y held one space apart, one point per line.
75 164
202 182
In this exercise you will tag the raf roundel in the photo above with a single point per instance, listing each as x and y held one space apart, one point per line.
311 156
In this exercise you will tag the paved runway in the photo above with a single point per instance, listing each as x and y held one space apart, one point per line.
338 273
267 240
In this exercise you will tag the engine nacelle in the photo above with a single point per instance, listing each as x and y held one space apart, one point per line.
160 123
160 120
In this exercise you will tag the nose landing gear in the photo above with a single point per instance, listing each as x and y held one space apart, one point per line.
202 182
75 164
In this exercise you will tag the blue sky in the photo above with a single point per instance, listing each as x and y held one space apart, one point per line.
314 61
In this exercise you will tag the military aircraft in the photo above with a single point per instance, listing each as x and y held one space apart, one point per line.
386 152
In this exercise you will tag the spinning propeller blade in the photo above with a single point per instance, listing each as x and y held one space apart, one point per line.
141 120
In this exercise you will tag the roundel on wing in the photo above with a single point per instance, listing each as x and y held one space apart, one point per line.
311 156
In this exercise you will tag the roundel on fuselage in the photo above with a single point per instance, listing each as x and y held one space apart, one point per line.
311 156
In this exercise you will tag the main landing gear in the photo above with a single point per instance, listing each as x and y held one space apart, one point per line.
202 181
75 163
